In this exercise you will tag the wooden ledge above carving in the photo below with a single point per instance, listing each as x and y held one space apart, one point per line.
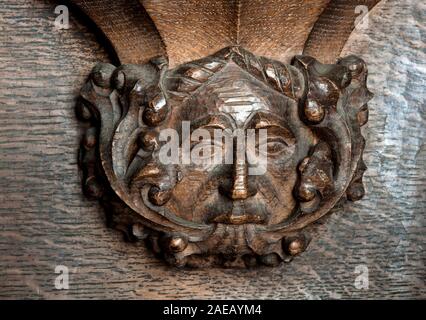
242 68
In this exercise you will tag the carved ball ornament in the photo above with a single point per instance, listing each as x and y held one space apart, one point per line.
220 213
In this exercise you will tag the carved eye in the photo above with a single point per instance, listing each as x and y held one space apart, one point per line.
273 147
276 146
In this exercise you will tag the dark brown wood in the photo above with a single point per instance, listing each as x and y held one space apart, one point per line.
220 212
241 218
192 29
276 29
46 221
127 26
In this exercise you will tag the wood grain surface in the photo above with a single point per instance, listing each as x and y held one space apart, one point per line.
46 221
334 26
126 25
194 29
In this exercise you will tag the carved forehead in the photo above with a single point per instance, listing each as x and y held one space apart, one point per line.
235 92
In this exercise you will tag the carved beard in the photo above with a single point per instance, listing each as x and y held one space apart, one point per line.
318 108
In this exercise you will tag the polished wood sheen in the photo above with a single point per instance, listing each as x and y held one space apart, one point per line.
221 213
46 220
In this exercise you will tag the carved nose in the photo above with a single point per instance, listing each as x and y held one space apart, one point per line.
239 187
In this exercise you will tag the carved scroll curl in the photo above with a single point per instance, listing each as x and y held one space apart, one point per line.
316 110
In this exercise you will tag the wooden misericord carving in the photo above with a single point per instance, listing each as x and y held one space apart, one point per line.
218 65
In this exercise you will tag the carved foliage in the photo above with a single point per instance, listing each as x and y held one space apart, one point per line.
195 217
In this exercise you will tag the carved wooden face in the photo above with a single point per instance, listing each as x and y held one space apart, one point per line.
239 191
289 148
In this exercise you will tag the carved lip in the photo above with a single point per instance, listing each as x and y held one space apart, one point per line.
242 212
239 219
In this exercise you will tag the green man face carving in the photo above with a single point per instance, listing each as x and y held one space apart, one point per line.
211 200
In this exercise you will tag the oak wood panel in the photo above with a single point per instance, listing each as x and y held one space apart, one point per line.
193 29
332 29
278 29
45 220
127 26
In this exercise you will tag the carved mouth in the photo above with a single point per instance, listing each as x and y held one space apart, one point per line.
238 219
239 215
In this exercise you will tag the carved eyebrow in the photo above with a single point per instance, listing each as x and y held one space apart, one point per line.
217 121
214 126
264 120
265 124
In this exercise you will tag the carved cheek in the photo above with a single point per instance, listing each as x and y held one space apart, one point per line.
283 187
275 190
282 162
191 191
